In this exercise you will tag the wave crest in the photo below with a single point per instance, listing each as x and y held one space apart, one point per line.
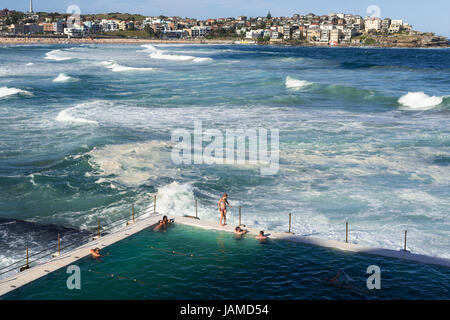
67 115
5 92
62 77
57 55
115 67
161 55
420 101
295 84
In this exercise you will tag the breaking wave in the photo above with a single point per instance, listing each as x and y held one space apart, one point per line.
5 92
57 55
115 67
161 55
67 115
295 84
62 77
420 101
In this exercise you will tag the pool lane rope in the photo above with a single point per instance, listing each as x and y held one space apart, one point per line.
173 252
119 277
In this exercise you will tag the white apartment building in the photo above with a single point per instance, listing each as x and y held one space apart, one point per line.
74 32
372 24
109 25
324 36
335 35
396 26
199 32
254 34
326 26
347 34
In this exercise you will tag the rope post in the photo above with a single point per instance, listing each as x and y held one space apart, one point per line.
240 216
59 244
196 209
154 204
290 214
98 228
27 266
132 211
404 247
346 232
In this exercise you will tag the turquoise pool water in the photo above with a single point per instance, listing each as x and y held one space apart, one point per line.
189 263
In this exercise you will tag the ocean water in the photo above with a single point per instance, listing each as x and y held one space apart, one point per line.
364 138
200 264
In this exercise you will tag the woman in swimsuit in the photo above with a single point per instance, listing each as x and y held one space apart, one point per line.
223 203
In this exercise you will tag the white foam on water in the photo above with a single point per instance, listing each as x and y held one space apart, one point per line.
161 55
57 55
32 179
295 84
133 164
29 64
6 92
172 57
62 77
419 101
67 116
115 67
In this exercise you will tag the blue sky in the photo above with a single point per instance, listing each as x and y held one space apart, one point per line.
431 15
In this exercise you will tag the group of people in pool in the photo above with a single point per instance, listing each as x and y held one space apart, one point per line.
238 231
164 223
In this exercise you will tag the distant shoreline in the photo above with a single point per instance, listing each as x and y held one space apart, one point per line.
45 40
37 40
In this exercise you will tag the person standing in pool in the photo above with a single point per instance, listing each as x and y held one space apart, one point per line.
223 203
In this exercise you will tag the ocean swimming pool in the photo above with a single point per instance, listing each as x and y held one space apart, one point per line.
189 263
87 132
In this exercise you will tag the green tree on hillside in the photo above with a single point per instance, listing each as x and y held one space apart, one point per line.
149 30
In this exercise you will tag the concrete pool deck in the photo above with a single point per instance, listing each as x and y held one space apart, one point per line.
351 247
40 270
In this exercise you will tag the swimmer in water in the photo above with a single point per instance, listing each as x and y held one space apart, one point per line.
345 283
239 232
95 253
335 280
261 236
161 225
167 221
